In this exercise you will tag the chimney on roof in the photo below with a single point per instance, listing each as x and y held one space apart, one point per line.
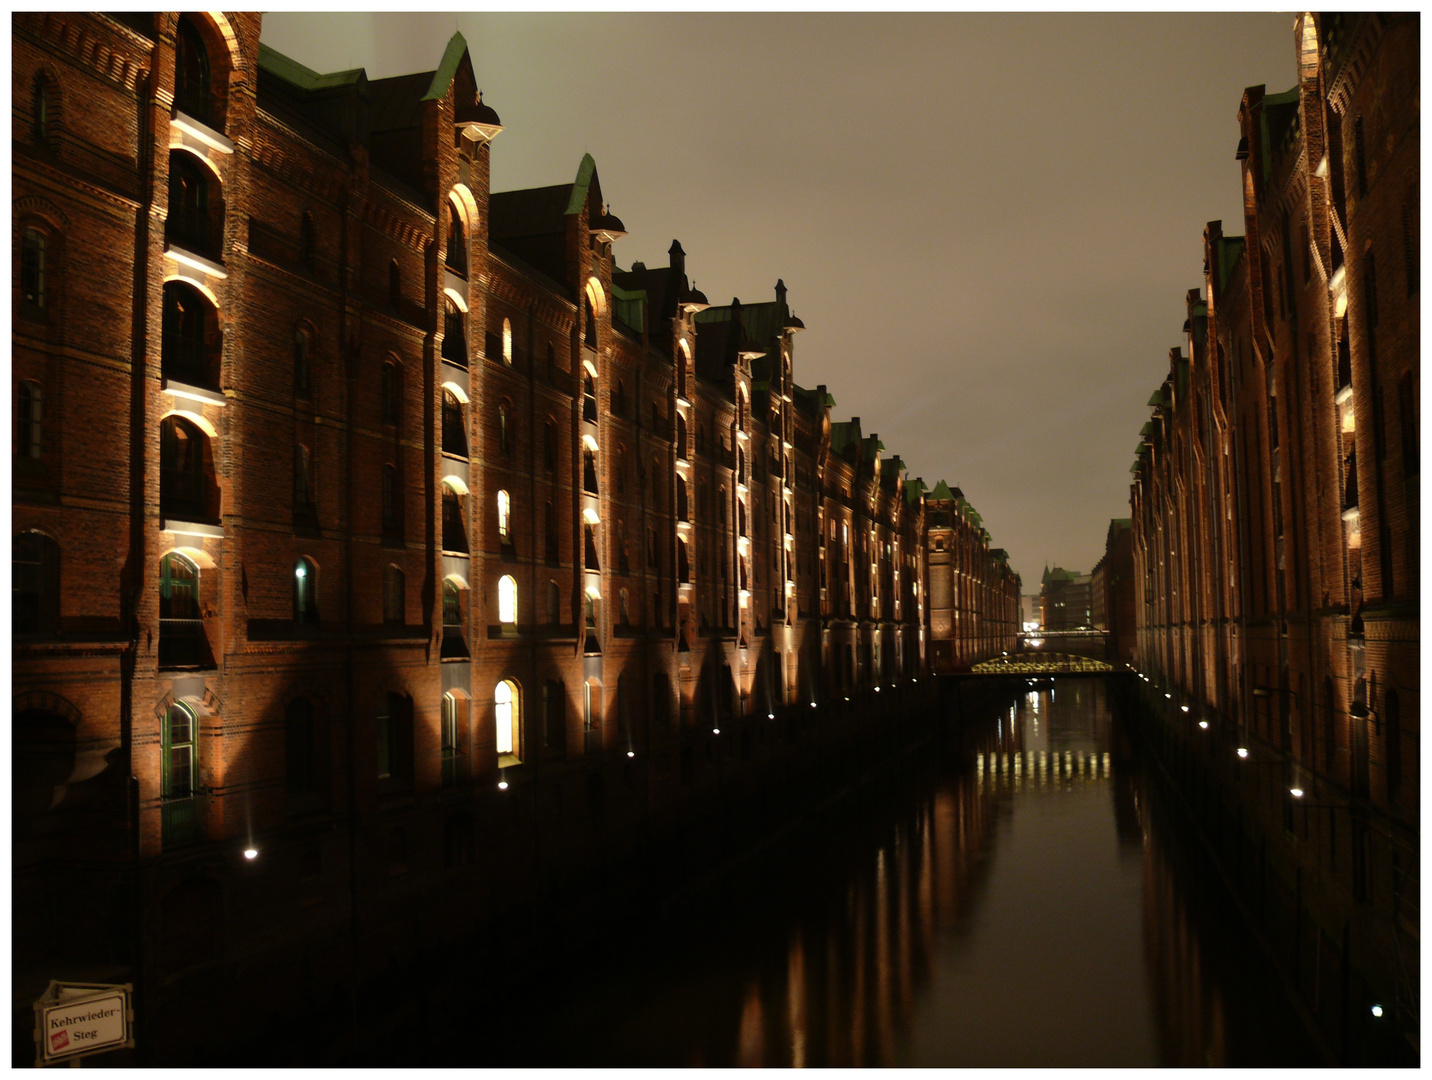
780 292
678 258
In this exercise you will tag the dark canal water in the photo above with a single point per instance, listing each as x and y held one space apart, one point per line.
1023 898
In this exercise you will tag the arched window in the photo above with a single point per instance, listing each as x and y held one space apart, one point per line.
32 272
307 241
454 333
188 225
589 337
392 393
504 436
29 420
655 485
454 426
505 714
454 718
35 584
507 600
554 604
456 243
179 754
683 564
621 470
504 513
619 399
305 592
191 72
549 534
181 622
549 445
589 398
301 378
41 102
507 341
300 758
454 525
589 470
186 488
394 596
391 516
589 547
682 513
191 342
680 437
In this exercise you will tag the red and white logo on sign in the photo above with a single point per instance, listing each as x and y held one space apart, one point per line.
59 1040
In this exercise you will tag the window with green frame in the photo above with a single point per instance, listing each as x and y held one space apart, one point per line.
179 746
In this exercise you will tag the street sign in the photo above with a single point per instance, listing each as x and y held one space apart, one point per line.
75 1020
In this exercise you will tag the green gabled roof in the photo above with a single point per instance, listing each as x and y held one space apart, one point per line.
1147 429
1157 398
914 489
1139 449
627 306
942 492
290 70
984 535
585 171
447 68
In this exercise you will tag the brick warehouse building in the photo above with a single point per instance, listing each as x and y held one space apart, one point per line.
394 533
1276 502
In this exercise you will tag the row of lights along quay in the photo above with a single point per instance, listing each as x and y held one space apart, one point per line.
1277 550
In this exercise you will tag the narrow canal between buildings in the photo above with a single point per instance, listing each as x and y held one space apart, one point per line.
1024 897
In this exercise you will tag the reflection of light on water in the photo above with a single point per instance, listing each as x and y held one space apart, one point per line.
750 1046
795 980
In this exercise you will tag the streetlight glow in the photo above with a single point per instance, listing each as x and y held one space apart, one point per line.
1243 751
251 853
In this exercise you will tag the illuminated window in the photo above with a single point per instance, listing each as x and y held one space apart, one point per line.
305 591
179 754
507 600
504 510
505 709
507 341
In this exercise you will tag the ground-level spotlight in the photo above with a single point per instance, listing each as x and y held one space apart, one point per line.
1169 696
770 716
847 697
715 731
1243 751
812 704
631 753
502 785
877 689
1296 792
1203 724
251 853
1184 708
1377 1010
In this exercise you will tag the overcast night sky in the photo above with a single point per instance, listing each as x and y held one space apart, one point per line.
988 223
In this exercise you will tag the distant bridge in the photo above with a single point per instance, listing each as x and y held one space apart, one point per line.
1087 641
1042 663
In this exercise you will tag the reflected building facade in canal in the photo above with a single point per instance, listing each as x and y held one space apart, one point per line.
1021 903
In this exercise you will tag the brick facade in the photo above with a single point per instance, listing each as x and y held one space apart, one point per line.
1276 492
381 523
